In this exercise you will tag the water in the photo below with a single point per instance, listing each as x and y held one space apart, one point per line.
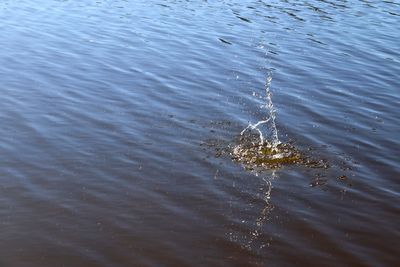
274 139
119 118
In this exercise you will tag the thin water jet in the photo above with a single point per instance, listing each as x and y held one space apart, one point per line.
270 119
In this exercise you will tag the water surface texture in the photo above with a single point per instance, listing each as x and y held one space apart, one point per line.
118 118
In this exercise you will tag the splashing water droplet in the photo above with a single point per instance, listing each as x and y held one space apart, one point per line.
274 142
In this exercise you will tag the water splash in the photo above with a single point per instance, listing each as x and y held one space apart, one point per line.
259 148
269 152
269 121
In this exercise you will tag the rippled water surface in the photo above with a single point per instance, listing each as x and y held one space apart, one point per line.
119 118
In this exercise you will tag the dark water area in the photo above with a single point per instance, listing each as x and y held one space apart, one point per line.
114 115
